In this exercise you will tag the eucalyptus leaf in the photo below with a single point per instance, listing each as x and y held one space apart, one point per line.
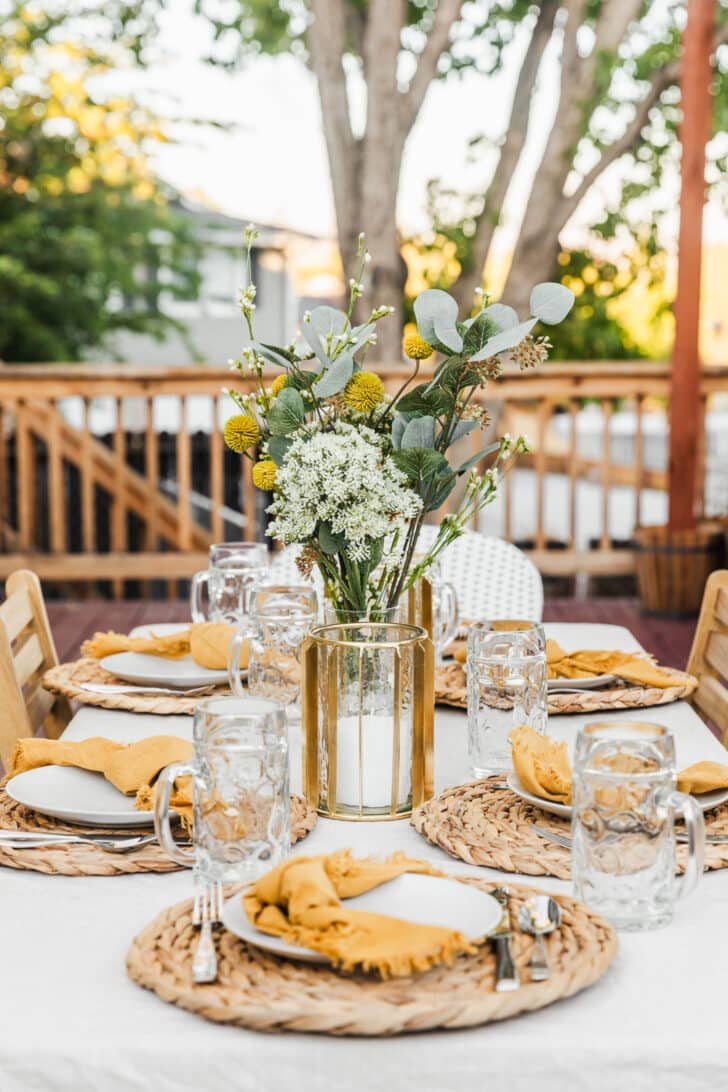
463 428
336 378
470 463
506 339
422 466
361 335
314 342
477 334
399 424
551 302
503 316
272 355
278 448
419 433
278 351
329 543
287 413
434 307
328 320
448 334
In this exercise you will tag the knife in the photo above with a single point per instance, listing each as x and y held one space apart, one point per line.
506 975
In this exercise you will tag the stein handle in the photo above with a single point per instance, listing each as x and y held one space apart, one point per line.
197 609
449 611
165 784
245 633
695 826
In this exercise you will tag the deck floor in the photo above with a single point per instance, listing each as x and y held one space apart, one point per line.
667 639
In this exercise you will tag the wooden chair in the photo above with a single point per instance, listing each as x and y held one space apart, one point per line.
26 652
708 659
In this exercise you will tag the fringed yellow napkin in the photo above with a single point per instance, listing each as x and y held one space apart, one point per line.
206 642
130 767
587 662
543 768
542 765
301 901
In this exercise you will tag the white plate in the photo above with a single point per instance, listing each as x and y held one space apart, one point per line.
424 900
706 800
145 670
593 682
76 796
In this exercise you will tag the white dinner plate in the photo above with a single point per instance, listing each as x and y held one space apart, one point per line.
593 682
145 670
424 900
76 796
706 800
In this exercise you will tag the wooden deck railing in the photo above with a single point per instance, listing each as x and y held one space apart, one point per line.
100 482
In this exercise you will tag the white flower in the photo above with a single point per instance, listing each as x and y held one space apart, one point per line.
341 478
306 316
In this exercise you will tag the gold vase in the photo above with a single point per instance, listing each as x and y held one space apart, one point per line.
368 703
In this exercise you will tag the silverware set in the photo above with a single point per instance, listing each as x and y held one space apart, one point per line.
206 911
123 843
538 917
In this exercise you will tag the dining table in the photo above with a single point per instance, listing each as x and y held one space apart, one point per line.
71 1019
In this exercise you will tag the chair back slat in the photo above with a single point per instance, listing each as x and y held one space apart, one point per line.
28 660
721 606
708 659
716 653
16 613
26 652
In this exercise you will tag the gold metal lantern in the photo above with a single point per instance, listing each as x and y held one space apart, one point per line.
368 704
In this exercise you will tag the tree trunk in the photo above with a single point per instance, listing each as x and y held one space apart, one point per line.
382 148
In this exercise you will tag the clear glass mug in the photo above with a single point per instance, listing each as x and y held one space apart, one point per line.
507 676
235 568
445 613
279 619
240 791
623 824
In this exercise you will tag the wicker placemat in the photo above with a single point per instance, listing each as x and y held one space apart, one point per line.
451 688
261 991
66 679
484 824
84 860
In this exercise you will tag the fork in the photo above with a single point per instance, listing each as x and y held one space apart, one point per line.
115 688
206 909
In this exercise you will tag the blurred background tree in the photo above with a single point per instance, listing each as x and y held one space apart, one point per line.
618 103
87 234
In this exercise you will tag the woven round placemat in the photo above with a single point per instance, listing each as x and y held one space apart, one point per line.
451 688
257 990
65 679
85 860
484 824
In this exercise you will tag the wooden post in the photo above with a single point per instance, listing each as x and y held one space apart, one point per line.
685 389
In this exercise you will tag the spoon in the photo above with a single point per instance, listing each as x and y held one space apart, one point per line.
538 917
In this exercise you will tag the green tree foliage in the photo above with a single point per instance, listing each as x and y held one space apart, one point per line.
85 229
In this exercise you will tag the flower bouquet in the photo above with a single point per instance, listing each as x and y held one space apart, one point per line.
354 471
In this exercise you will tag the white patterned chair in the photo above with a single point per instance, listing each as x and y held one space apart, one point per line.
492 578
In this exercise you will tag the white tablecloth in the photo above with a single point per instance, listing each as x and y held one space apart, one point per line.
71 1020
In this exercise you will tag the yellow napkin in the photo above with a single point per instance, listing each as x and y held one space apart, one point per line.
130 767
301 901
207 642
587 662
543 768
542 764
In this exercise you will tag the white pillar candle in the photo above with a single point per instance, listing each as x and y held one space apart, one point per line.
377 761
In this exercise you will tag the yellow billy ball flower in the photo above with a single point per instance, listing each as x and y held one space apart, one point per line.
278 384
364 391
264 474
416 348
241 432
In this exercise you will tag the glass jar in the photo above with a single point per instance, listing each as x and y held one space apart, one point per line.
368 715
